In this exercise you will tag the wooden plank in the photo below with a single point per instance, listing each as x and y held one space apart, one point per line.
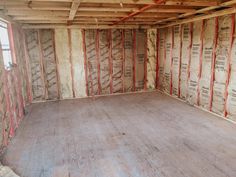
229 64
144 130
224 4
74 8
213 63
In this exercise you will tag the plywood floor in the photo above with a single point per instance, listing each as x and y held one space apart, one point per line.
137 135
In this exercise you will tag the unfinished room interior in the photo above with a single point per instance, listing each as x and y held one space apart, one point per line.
117 88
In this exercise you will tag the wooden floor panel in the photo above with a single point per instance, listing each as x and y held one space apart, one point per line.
136 135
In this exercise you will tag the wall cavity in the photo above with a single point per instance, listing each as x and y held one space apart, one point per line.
151 58
198 64
15 92
73 63
115 60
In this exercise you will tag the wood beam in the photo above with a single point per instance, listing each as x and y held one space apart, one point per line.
139 11
74 8
85 26
6 18
225 4
169 2
202 17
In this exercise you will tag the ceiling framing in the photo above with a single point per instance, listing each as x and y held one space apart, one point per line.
111 13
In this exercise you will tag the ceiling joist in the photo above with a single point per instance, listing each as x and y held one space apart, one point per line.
112 13
74 8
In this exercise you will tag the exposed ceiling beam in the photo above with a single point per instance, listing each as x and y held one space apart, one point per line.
85 26
139 11
202 17
225 4
74 7
67 12
169 2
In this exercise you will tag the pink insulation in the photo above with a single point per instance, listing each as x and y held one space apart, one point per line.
222 63
34 53
195 63
203 64
128 60
161 58
185 59
117 60
168 61
230 108
208 57
151 58
176 59
104 55
14 87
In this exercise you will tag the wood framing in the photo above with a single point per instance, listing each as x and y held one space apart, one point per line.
229 64
74 8
213 63
111 14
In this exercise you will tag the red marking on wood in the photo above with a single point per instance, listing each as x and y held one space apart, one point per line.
229 64
85 62
213 63
56 62
98 62
157 2
134 60
157 58
171 60
145 62
180 59
111 62
123 61
71 62
200 64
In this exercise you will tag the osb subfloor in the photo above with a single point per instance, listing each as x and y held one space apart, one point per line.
136 135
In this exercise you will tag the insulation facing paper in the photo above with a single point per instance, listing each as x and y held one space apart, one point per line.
221 63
